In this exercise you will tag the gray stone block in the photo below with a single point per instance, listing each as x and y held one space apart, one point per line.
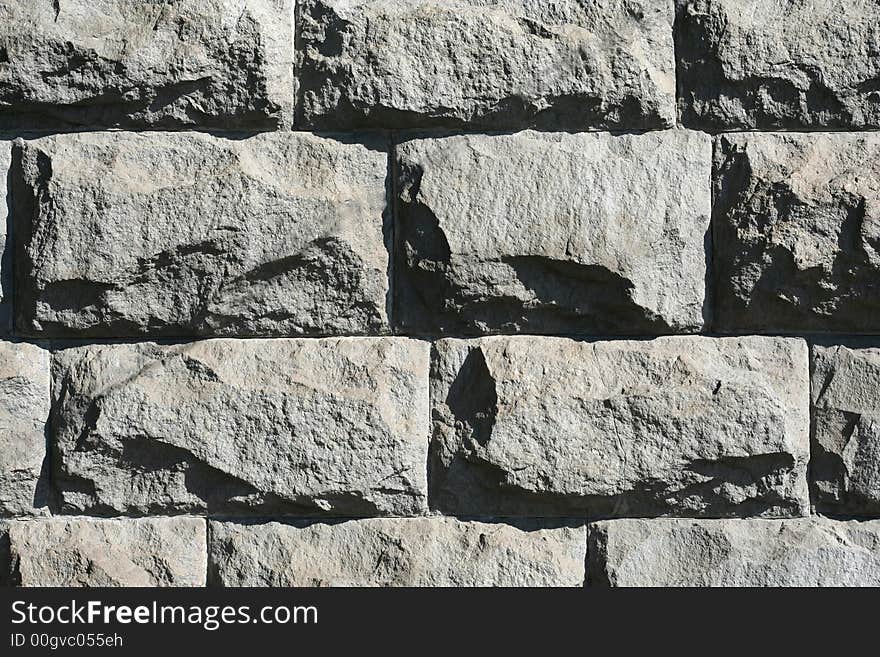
797 233
186 234
764 64
806 552
335 427
397 552
553 233
24 412
845 467
681 426
493 64
92 552
202 63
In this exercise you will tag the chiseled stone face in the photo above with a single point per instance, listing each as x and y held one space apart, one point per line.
24 411
397 552
553 233
100 552
213 63
691 426
282 427
678 552
493 64
187 234
797 233
846 440
765 64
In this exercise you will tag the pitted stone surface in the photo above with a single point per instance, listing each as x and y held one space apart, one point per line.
208 63
98 552
797 233
286 427
846 440
691 426
6 261
666 552
397 552
553 233
766 64
24 411
171 234
495 64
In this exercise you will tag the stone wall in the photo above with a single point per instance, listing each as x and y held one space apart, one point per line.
440 292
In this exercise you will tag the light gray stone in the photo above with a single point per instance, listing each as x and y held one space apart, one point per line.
797 233
553 233
687 426
289 427
396 552
214 63
566 64
24 411
93 552
765 64
5 240
846 438
665 552
175 234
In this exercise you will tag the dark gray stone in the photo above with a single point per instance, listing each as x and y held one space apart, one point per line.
797 233
207 63
845 467
766 64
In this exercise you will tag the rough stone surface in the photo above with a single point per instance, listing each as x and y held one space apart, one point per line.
566 64
298 427
797 233
5 557
212 63
170 234
687 426
766 64
396 552
553 233
666 552
5 240
24 411
94 552
845 466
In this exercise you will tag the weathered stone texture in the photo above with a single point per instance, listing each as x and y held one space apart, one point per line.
846 438
213 63
298 427
6 261
679 425
94 552
553 233
797 233
170 234
495 64
766 64
666 552
24 411
397 552
5 557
